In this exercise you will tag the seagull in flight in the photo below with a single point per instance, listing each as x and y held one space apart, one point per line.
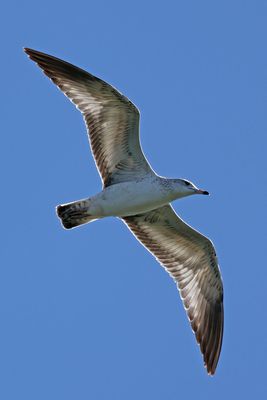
133 192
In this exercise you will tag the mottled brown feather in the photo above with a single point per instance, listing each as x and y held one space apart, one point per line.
190 259
112 120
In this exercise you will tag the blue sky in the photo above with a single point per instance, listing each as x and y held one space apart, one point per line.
89 314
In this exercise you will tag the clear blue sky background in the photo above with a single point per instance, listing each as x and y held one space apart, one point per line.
88 313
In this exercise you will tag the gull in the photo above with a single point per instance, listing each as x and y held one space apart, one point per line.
133 192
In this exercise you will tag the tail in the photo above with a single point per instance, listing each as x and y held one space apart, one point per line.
75 214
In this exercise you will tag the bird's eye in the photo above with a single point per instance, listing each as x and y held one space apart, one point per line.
187 183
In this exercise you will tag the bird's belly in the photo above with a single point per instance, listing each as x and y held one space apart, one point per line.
131 198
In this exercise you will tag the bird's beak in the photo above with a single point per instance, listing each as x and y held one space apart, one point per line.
199 191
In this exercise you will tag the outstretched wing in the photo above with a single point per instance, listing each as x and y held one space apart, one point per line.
190 259
112 120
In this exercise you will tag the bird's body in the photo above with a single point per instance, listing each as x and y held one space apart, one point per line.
133 192
133 197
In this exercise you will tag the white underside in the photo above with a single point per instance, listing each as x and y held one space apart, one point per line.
131 198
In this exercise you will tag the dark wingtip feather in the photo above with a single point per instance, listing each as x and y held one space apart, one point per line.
208 329
54 67
30 52
213 339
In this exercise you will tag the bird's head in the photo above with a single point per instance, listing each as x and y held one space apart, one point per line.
186 188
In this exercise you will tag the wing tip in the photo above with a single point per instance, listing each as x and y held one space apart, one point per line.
29 51
208 330
212 349
35 55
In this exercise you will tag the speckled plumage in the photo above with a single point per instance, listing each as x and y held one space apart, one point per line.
133 192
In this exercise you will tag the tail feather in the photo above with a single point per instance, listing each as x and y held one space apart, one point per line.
75 214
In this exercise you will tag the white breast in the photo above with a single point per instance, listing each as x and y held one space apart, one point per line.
131 198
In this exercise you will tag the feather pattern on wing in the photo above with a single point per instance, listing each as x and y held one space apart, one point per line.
112 120
190 259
